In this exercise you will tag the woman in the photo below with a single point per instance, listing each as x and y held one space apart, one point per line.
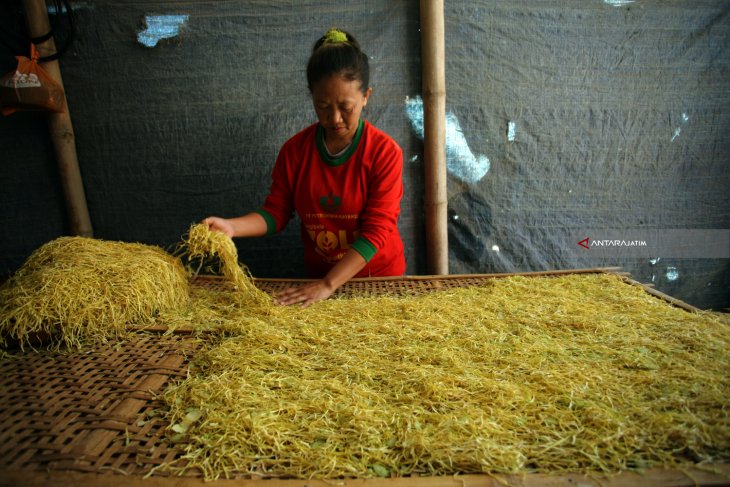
341 175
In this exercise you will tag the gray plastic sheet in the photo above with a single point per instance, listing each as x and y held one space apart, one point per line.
562 117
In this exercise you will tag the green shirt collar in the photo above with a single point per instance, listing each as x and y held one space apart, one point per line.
336 161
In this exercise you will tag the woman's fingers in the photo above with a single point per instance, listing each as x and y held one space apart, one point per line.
292 296
304 295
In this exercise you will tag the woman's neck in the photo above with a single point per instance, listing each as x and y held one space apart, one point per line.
337 147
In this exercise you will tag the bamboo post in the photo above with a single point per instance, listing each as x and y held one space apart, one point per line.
60 127
434 125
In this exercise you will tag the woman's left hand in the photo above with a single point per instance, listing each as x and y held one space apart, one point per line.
323 288
306 294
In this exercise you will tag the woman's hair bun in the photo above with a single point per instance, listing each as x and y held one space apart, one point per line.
335 36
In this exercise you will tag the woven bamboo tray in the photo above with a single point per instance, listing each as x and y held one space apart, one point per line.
91 417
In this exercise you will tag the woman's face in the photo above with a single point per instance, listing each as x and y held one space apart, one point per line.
338 104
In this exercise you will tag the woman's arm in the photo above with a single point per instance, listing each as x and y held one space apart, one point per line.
249 225
323 288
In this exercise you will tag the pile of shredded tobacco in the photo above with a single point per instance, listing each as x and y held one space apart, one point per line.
74 290
580 373
576 373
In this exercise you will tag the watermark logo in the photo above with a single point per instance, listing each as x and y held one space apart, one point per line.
587 243
675 243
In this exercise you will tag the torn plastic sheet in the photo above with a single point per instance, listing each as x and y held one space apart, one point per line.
161 27
511 129
678 130
460 160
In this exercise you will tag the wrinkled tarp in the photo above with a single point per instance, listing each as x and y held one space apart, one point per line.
592 116
595 114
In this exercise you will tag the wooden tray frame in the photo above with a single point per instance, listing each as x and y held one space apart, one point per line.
88 418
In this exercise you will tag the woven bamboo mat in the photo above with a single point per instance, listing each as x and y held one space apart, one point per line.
97 410
90 411
414 285
402 286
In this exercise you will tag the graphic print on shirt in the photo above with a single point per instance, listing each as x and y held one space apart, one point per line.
329 202
331 241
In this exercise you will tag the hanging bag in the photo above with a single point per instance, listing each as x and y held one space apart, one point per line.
30 87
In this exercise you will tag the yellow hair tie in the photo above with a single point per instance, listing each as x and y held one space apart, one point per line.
335 36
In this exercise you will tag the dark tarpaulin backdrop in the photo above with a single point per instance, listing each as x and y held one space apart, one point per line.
621 115
561 117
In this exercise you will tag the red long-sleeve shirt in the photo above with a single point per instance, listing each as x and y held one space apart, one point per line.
352 200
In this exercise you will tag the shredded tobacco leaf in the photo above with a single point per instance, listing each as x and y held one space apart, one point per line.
74 290
77 290
576 373
527 374
200 244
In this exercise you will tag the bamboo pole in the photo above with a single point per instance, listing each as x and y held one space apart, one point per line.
60 127
434 125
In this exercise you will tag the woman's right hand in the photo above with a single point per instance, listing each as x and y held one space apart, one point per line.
219 225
